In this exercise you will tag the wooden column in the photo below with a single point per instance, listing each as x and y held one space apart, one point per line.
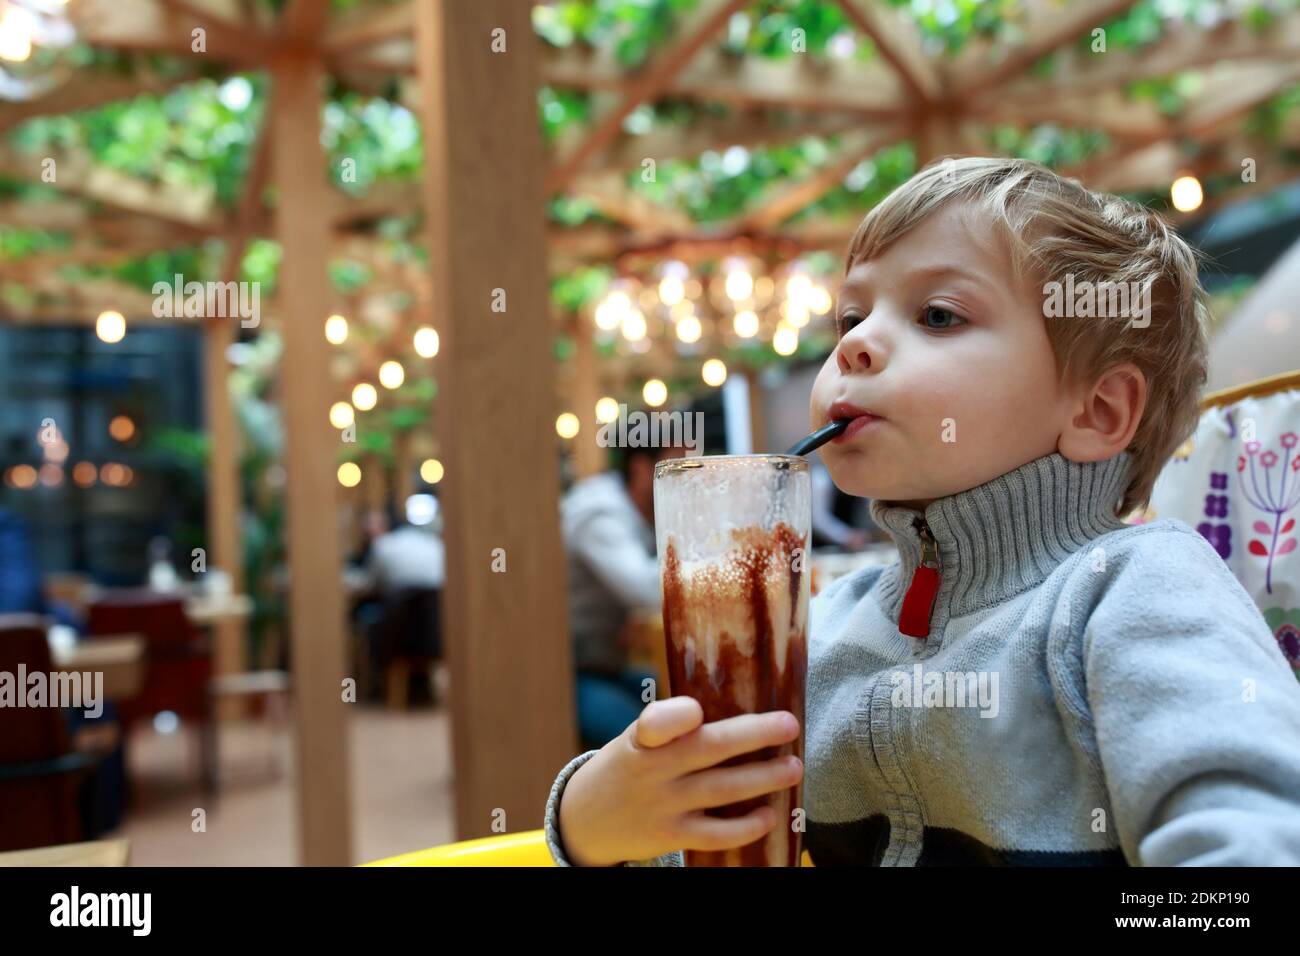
224 512
589 458
506 632
316 593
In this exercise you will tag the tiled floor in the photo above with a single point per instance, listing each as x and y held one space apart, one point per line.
401 792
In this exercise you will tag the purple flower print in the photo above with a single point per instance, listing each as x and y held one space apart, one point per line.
1219 535
1275 503
1216 506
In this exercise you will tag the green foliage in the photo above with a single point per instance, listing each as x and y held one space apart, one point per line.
577 289
368 139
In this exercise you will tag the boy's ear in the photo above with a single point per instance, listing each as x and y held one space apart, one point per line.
1106 415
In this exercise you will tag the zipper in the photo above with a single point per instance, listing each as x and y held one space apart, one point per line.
918 602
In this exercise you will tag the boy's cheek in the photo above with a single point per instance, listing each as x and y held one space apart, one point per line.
820 399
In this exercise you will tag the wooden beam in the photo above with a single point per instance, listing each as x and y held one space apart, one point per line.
86 88
610 193
697 28
714 75
316 612
302 23
367 27
1233 91
1049 26
899 44
144 26
1182 46
789 198
76 172
508 644
745 127
1108 110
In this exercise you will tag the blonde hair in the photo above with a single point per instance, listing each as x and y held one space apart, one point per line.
1054 227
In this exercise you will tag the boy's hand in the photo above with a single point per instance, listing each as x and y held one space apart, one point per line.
644 793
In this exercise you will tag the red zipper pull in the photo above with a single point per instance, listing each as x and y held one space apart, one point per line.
918 602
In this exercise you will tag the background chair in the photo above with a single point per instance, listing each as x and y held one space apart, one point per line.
410 642
41 768
178 666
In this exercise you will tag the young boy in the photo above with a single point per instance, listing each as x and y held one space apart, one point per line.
1132 705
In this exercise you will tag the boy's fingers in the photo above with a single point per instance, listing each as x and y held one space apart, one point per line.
723 739
663 721
700 832
724 785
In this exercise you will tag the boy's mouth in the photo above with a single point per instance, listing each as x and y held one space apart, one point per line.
859 418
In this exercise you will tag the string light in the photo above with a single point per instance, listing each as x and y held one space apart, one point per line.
634 326
746 324
567 425
714 372
426 341
336 329
110 326
17 28
655 393
431 471
786 340
1186 194
341 415
364 396
121 428
606 410
689 329
349 474
391 374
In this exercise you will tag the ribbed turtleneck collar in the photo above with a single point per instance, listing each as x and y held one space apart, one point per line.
1006 535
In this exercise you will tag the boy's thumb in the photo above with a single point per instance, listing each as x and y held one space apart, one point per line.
663 721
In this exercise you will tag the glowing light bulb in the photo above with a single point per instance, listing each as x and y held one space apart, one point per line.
391 374
426 341
746 324
634 326
714 372
110 326
689 329
786 340
336 330
364 396
606 410
567 425
341 415
1186 194
655 393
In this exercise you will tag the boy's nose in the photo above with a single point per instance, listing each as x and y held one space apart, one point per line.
853 358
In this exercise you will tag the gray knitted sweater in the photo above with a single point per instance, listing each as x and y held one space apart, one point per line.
1089 693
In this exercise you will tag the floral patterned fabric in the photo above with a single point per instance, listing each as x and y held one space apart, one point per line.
1237 482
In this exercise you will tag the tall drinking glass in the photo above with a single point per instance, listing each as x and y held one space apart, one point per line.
732 533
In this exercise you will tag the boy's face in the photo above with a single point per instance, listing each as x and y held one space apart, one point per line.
949 348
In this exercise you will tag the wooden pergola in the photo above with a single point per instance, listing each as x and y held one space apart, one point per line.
487 175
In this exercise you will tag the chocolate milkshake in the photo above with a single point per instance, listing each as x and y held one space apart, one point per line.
733 538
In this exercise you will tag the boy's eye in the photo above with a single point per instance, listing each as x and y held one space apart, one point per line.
846 322
937 318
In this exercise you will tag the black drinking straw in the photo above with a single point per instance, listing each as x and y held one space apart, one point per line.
820 437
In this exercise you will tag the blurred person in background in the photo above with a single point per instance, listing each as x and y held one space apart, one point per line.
607 522
20 574
406 570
